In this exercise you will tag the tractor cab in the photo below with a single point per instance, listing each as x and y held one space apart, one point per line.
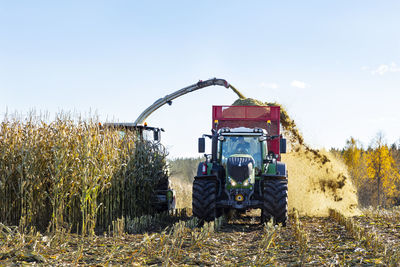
249 144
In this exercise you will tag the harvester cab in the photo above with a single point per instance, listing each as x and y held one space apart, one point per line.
243 170
144 132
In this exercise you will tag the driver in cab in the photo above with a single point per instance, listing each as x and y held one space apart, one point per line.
242 146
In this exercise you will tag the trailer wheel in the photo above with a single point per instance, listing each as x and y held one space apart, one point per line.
204 199
275 201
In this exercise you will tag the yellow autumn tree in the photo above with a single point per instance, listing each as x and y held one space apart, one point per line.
381 168
354 158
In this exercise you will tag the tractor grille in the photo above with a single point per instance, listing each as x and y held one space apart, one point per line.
240 168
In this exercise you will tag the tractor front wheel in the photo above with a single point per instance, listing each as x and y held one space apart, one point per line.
204 199
275 201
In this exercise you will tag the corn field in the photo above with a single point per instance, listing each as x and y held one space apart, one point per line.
74 174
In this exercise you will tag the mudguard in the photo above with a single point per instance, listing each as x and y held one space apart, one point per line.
206 177
281 172
281 169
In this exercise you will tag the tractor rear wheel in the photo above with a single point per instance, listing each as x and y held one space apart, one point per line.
204 199
275 201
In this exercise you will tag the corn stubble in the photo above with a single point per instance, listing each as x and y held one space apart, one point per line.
74 175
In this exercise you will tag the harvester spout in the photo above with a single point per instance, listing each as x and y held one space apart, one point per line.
240 95
168 98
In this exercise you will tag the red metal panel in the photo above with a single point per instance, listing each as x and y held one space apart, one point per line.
258 113
242 115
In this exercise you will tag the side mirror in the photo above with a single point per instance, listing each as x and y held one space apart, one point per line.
282 145
156 135
202 145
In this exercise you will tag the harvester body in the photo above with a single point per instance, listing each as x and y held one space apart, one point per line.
244 169
164 196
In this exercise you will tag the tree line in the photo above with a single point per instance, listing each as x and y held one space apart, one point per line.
375 170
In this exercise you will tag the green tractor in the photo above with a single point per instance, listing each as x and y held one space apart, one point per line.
243 170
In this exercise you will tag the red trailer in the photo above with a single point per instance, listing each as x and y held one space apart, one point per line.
264 117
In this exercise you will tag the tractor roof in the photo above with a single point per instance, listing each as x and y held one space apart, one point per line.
242 130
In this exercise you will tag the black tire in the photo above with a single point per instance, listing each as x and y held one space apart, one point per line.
275 201
204 199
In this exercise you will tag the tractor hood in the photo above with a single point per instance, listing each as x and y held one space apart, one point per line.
240 167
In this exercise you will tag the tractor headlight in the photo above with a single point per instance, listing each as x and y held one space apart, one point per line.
233 182
246 182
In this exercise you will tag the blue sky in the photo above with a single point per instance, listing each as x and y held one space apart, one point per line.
335 65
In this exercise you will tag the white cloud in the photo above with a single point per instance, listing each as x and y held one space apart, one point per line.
269 85
298 84
383 68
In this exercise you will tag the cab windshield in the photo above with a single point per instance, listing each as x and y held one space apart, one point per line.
241 145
